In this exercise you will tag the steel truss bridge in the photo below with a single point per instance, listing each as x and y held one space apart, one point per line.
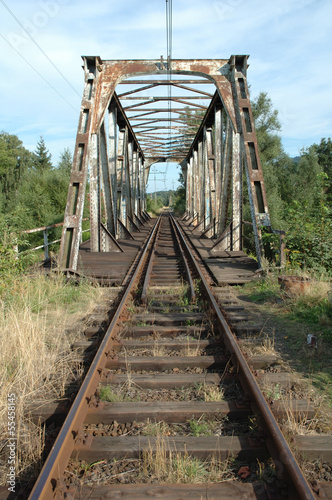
196 113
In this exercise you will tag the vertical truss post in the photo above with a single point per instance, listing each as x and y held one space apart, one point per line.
206 180
107 189
218 154
201 183
130 178
95 194
122 160
143 185
236 194
112 157
254 173
135 182
72 227
140 180
212 178
192 199
189 192
225 191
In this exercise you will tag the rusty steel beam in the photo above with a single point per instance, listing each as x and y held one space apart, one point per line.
161 98
164 82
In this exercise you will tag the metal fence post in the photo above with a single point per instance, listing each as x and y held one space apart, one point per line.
45 243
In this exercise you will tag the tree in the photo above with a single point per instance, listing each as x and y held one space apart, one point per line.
42 157
14 161
306 180
267 127
273 158
324 154
180 197
65 162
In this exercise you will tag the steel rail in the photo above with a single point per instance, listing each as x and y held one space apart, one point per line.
188 273
286 456
50 476
150 265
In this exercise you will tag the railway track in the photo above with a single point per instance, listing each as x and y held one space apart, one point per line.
169 407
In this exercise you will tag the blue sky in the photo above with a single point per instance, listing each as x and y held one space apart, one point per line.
289 43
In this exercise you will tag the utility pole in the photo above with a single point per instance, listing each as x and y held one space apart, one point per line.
155 185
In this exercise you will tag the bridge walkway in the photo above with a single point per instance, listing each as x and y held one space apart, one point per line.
111 268
226 267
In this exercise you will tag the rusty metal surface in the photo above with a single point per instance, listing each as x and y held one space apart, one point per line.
51 474
149 268
71 436
285 456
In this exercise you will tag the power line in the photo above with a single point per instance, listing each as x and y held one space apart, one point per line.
39 74
39 47
169 43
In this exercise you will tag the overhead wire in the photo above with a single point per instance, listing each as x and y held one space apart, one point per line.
38 46
38 73
169 44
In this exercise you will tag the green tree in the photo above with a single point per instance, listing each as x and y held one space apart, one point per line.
307 180
42 157
180 197
267 127
324 154
65 162
272 156
14 161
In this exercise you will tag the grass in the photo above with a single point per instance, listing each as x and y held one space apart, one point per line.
37 318
292 317
175 467
118 395
201 427
311 306
210 392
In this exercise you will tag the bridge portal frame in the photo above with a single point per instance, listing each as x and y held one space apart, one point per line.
224 146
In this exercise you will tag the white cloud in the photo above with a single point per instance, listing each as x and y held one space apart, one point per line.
289 42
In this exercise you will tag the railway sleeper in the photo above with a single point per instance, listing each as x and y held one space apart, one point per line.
175 380
203 447
41 412
232 490
161 363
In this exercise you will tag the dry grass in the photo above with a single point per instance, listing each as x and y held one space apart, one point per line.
172 467
37 319
158 349
211 392
265 345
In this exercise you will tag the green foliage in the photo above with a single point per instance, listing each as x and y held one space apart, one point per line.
158 200
32 192
201 427
180 197
153 204
65 163
42 157
299 193
309 237
267 127
14 161
11 264
106 394
324 156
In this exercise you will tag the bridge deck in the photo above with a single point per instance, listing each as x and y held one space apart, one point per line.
226 267
111 267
